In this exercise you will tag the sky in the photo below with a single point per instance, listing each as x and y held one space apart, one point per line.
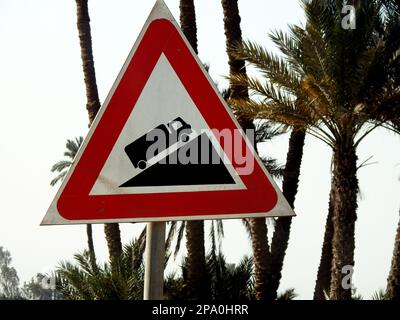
42 103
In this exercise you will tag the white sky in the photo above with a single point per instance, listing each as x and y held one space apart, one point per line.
42 103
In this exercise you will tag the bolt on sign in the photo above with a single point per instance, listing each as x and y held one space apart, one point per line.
165 145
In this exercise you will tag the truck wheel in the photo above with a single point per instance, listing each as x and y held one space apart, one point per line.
142 164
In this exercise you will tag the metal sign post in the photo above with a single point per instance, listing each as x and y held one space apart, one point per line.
154 261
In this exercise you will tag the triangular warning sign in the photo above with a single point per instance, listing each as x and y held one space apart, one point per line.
165 146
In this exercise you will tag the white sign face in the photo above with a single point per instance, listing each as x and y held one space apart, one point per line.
164 145
162 100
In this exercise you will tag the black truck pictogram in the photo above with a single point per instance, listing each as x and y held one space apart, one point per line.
175 130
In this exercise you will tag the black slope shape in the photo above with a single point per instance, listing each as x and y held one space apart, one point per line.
169 172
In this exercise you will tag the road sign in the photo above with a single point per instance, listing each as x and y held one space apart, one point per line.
165 145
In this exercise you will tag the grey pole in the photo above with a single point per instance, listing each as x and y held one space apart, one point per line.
154 261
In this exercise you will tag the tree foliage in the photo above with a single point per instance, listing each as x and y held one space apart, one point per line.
117 280
40 287
62 166
9 280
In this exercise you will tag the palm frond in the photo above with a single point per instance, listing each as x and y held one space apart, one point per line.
288 294
170 237
122 279
289 47
72 147
220 230
276 170
179 238
246 225
379 295
61 165
60 177
266 130
270 66
265 91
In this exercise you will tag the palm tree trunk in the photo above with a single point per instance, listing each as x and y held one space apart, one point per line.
233 35
196 261
393 281
93 103
258 228
261 258
196 282
290 185
188 22
113 237
345 188
323 283
85 40
92 254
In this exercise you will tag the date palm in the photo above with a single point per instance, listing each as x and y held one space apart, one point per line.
257 226
339 84
268 262
391 9
62 166
290 184
120 279
196 268
111 230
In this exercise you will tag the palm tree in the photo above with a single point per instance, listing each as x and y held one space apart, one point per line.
290 185
258 228
291 174
62 166
227 281
111 230
120 279
327 82
230 281
197 286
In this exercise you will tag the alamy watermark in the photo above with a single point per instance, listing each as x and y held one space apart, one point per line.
347 280
348 13
207 146
349 19
48 282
